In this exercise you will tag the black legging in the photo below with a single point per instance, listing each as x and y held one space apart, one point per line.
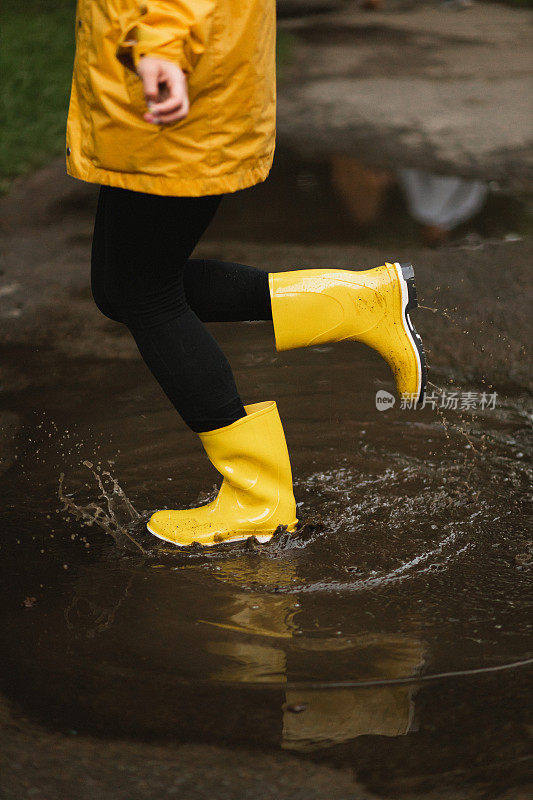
142 276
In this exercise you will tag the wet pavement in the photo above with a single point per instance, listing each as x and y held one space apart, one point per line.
414 83
384 648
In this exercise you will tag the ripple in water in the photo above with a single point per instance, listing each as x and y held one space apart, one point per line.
360 530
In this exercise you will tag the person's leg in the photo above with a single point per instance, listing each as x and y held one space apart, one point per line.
217 291
319 306
223 291
99 262
141 245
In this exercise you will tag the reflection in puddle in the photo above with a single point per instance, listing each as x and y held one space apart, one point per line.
336 198
441 203
323 719
94 605
266 644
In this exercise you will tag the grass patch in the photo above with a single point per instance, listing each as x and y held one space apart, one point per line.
285 43
36 56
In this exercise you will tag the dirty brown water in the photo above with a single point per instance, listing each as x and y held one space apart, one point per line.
411 560
382 634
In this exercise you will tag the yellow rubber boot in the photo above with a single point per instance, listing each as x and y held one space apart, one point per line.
256 495
319 306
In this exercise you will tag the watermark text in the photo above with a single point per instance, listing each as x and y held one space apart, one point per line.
452 401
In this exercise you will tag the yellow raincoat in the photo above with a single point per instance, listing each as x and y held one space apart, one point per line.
227 49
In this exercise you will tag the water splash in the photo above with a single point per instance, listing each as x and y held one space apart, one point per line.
115 515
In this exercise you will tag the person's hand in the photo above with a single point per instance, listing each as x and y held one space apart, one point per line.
165 89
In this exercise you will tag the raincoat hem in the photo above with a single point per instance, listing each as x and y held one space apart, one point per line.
172 186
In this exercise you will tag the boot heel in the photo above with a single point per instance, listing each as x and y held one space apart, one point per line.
409 277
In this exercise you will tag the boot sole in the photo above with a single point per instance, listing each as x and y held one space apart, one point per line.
261 539
406 277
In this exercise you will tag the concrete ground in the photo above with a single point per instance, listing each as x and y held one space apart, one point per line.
40 765
420 85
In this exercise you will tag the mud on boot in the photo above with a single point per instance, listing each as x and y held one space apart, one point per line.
256 495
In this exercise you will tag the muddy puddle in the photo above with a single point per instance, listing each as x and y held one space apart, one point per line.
390 633
382 634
